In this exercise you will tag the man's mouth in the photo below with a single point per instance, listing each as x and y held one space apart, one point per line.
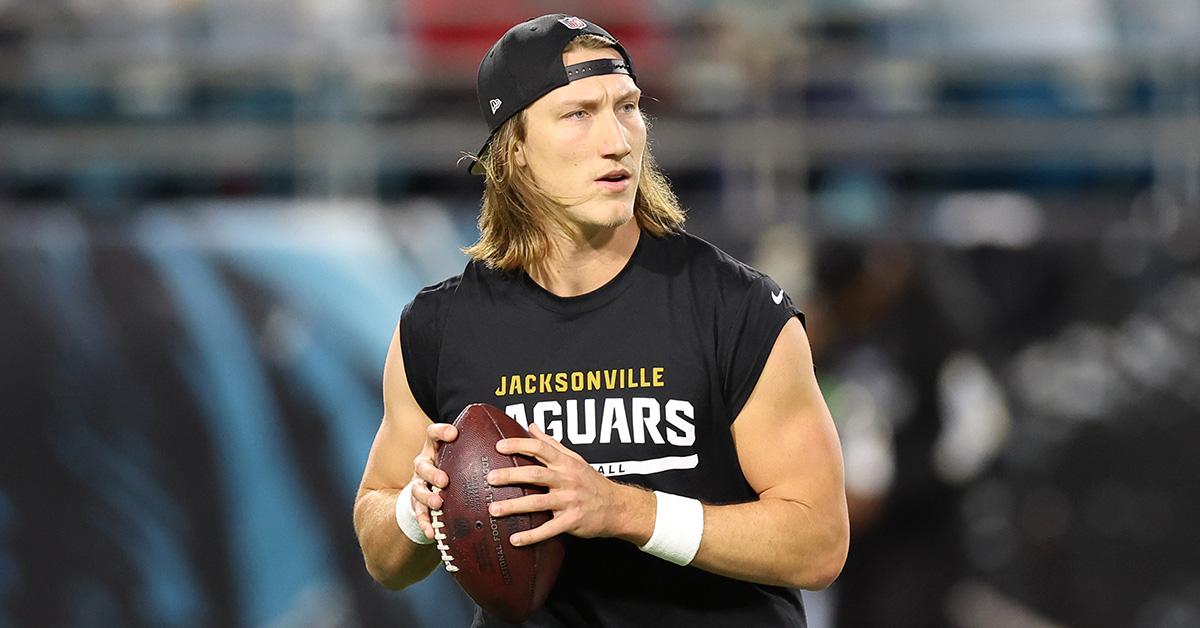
615 180
614 175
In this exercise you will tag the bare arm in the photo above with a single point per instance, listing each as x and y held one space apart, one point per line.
796 534
401 453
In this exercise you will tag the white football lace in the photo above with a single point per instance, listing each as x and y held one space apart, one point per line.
441 537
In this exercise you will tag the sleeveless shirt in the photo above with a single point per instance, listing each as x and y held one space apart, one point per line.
643 378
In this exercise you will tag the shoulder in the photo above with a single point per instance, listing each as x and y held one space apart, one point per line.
734 289
716 270
437 302
441 291
426 315
432 301
476 276
422 324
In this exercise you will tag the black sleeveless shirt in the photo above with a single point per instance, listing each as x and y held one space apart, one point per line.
643 377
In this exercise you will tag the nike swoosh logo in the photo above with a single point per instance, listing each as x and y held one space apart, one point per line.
777 298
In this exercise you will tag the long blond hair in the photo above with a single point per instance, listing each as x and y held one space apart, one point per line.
517 217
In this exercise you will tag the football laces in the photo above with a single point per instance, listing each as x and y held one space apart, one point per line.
440 536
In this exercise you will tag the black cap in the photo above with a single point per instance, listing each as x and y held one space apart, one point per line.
526 64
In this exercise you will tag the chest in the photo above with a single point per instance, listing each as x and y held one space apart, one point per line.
629 384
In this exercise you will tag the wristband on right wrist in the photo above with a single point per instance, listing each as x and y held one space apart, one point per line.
407 519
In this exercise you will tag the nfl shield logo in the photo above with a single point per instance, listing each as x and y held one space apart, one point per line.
573 22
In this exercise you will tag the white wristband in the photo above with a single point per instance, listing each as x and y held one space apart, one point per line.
678 526
407 519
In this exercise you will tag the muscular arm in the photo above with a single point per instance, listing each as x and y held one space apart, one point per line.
391 558
796 534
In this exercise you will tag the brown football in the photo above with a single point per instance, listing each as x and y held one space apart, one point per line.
506 581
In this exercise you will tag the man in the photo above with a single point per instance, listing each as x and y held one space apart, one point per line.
690 459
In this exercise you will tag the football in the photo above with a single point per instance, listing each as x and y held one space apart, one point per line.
506 581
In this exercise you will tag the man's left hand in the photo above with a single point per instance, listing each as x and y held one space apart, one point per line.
583 502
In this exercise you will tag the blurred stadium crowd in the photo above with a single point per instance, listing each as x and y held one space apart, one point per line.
212 212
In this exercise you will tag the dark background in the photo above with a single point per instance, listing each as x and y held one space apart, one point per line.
212 213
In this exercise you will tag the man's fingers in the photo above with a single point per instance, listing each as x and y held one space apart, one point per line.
528 474
529 447
425 499
518 505
539 435
425 469
425 522
423 465
549 440
444 432
421 498
550 529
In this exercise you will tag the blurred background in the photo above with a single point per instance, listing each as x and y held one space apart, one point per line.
213 211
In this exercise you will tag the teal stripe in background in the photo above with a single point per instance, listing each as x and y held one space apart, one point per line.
97 436
279 554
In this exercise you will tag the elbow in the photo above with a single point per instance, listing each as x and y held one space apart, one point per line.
820 574
391 570
386 575
824 566
383 562
824 572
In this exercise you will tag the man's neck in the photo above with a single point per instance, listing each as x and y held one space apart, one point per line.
582 264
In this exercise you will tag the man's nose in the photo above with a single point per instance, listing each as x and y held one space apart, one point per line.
614 137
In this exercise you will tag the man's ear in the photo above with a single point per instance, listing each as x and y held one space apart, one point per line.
519 155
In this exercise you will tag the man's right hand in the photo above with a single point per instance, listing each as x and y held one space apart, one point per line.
426 475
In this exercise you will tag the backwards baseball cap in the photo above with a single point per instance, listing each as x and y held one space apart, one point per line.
526 64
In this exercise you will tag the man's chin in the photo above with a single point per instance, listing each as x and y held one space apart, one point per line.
603 216
621 218
598 226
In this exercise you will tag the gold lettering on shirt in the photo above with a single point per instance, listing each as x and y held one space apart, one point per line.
581 381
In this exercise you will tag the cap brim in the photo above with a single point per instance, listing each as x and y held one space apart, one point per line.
475 167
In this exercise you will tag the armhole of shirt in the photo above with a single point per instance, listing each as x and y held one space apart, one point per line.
421 327
762 338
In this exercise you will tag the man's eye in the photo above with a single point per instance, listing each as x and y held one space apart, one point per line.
630 107
577 115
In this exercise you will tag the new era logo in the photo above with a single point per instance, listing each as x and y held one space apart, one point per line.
573 22
495 103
